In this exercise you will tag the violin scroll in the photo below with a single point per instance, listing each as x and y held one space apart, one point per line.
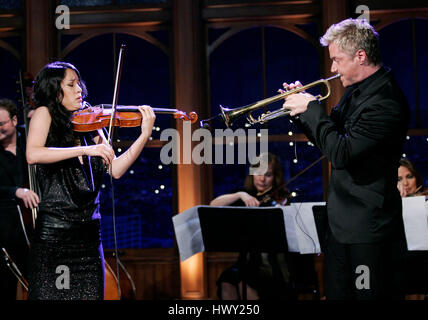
192 116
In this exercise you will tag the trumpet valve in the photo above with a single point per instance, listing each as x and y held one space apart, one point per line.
250 120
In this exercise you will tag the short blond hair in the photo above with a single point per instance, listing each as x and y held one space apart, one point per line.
351 35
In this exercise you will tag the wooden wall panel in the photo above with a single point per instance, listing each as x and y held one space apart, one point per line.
216 263
155 272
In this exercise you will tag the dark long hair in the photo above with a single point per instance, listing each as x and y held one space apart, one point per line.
48 92
279 191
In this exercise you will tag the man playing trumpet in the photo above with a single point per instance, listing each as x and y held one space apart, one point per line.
363 139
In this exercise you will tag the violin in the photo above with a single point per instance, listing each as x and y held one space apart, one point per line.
111 283
97 117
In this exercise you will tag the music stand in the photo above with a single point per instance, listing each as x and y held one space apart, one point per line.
241 229
321 223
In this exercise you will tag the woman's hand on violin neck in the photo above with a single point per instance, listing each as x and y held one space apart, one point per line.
125 160
101 150
148 120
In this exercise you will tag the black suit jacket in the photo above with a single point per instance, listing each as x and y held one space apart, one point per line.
13 174
364 145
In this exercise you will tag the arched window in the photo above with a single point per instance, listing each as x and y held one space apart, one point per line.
10 65
249 65
405 50
143 196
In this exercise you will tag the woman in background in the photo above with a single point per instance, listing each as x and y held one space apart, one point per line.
410 182
268 276
415 263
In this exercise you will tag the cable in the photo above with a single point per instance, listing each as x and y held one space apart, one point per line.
301 227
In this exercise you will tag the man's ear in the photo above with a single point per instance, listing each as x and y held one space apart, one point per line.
361 56
15 121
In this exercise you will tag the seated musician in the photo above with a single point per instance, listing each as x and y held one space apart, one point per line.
414 264
13 174
268 276
410 182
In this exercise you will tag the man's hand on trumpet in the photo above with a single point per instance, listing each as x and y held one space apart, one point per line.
297 103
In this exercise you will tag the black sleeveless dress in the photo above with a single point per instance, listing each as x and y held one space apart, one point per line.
66 257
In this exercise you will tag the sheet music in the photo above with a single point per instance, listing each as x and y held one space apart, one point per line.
415 218
188 233
299 228
300 224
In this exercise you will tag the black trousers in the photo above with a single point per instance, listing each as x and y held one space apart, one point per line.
360 271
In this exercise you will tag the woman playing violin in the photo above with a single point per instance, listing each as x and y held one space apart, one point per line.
280 276
66 256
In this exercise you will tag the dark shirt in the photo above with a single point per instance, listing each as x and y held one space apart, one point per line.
352 92
12 172
357 88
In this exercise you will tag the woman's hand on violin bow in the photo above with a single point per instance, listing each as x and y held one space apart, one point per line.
249 200
102 150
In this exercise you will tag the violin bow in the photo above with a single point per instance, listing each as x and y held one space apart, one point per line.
110 141
304 170
116 93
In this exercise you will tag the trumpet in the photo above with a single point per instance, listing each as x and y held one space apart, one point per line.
229 115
